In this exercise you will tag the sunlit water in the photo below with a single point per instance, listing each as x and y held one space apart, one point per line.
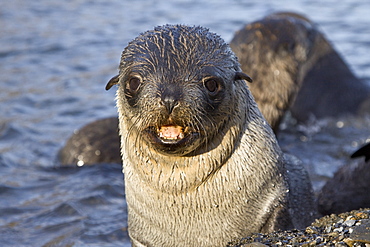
55 59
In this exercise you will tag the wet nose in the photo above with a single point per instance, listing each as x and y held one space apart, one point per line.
169 102
170 96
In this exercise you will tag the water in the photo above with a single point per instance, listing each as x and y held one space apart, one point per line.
55 59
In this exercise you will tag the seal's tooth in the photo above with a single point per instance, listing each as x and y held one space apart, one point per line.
171 132
181 135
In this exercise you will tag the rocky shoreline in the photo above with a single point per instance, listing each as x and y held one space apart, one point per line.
342 230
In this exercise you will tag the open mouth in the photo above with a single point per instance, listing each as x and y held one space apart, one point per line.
171 133
170 138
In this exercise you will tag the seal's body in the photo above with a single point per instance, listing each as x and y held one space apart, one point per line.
202 166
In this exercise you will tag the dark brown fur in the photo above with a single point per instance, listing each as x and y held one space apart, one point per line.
97 142
330 89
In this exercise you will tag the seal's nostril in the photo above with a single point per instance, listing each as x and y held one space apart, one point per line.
170 103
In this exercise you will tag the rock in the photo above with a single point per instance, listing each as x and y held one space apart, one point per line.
346 229
361 233
349 222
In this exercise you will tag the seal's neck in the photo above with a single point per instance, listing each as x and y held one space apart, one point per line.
181 174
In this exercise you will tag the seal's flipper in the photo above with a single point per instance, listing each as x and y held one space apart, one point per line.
112 82
363 151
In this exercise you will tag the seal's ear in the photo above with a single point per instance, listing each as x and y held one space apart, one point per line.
242 76
112 82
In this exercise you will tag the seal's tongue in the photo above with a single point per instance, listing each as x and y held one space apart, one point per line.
171 132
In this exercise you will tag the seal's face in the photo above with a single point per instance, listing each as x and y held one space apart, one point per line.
176 88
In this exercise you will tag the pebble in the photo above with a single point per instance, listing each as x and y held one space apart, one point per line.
339 229
350 222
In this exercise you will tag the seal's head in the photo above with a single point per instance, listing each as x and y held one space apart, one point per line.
176 86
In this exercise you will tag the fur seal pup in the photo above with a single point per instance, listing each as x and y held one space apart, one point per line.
277 51
202 166
349 187
96 142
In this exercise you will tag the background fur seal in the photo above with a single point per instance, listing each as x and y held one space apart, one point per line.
277 51
295 67
202 166
96 142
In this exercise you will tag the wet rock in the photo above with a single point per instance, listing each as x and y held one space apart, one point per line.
349 222
347 229
361 233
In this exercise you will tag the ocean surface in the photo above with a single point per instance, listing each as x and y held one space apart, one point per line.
55 60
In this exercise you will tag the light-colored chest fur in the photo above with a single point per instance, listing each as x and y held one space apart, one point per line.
227 203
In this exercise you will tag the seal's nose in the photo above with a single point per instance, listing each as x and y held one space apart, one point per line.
170 95
169 102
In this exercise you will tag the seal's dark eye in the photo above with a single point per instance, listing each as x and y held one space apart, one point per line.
134 84
211 85
132 87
